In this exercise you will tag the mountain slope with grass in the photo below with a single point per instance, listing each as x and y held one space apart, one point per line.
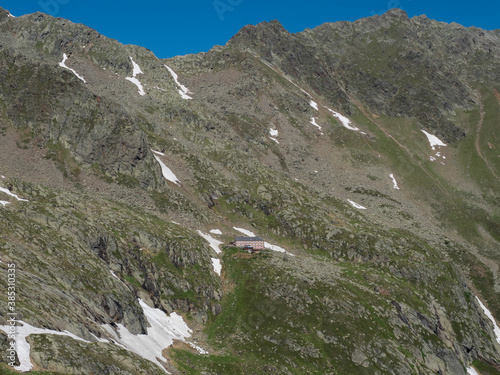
366 155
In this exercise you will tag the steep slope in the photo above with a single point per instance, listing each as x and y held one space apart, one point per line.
312 140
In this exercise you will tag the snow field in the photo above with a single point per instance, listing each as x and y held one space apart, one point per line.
214 244
433 140
8 192
22 346
217 265
394 181
344 120
183 90
355 205
166 171
313 121
136 70
162 332
63 64
487 312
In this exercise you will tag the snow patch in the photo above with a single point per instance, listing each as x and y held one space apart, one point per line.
138 83
4 203
215 231
267 245
246 232
433 140
166 171
274 139
490 316
355 205
394 181
99 339
136 70
313 121
214 244
273 132
7 191
472 371
344 120
183 90
114 275
313 104
11 15
199 349
2 176
161 334
217 265
63 64
23 348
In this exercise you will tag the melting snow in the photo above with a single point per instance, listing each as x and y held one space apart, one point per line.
394 181
274 139
472 371
244 231
183 90
490 316
273 132
214 244
23 348
137 70
4 203
344 120
162 332
217 265
63 64
166 171
433 140
99 339
2 176
136 67
267 245
114 275
313 104
313 121
11 15
215 231
7 191
355 205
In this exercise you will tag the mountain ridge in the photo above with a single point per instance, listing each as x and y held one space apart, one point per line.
311 147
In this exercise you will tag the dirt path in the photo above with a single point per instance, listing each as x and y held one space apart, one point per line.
478 135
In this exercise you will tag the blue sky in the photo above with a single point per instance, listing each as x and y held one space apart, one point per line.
180 27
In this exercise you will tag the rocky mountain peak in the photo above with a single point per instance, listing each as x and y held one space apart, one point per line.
396 13
4 14
365 152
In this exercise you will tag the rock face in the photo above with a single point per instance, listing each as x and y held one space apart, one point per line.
300 138
393 65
